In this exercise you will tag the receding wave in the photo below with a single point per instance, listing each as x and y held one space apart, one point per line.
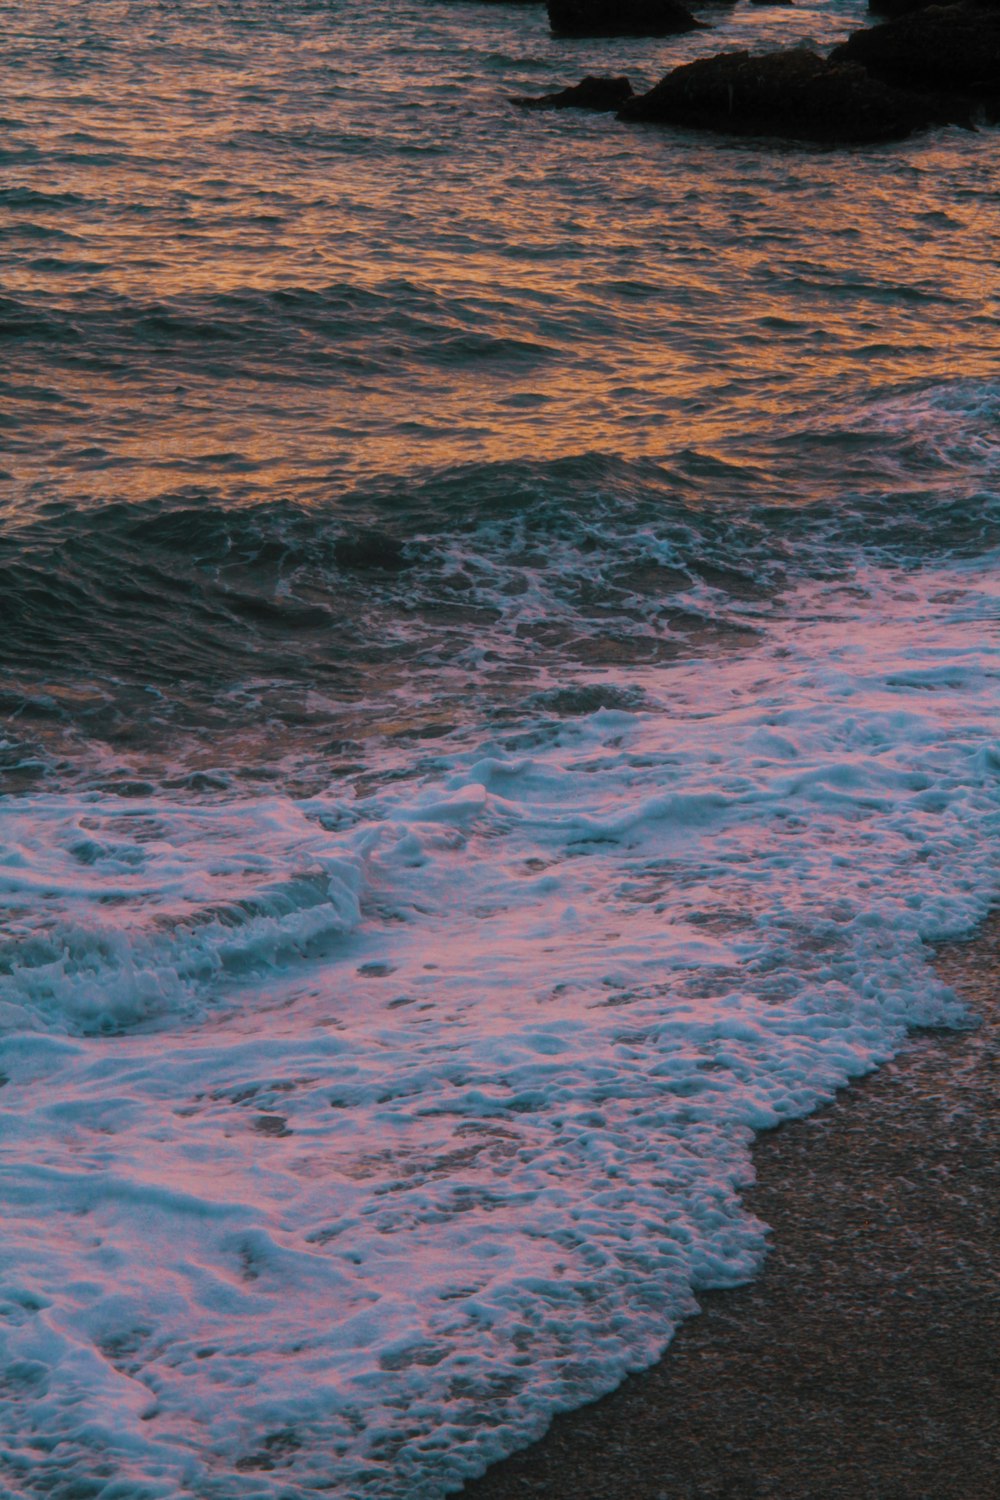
582 530
139 623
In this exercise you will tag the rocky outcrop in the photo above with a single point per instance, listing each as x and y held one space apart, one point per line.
892 8
603 94
794 94
943 50
620 17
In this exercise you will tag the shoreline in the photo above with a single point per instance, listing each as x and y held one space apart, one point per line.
863 1361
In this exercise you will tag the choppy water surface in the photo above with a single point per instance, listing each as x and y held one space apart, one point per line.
499 690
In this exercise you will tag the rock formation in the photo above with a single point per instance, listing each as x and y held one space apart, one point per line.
604 94
620 17
952 49
794 94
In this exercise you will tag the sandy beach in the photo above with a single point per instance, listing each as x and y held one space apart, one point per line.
862 1364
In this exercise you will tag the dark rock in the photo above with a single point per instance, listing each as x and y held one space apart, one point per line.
794 94
366 550
620 17
942 49
591 93
894 8
772 2
904 7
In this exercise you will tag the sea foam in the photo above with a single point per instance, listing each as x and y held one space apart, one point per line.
425 1115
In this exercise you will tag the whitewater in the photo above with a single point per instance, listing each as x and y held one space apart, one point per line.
500 677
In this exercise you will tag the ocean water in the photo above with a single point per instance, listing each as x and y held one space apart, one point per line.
498 624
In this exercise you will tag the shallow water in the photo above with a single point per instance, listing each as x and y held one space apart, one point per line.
404 937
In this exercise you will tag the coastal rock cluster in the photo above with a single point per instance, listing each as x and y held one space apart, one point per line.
794 94
622 18
926 64
952 49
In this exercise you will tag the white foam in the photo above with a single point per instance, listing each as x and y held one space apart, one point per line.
436 1122
122 911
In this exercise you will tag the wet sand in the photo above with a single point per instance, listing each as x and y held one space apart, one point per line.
863 1362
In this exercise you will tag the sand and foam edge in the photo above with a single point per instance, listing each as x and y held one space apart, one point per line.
863 1363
